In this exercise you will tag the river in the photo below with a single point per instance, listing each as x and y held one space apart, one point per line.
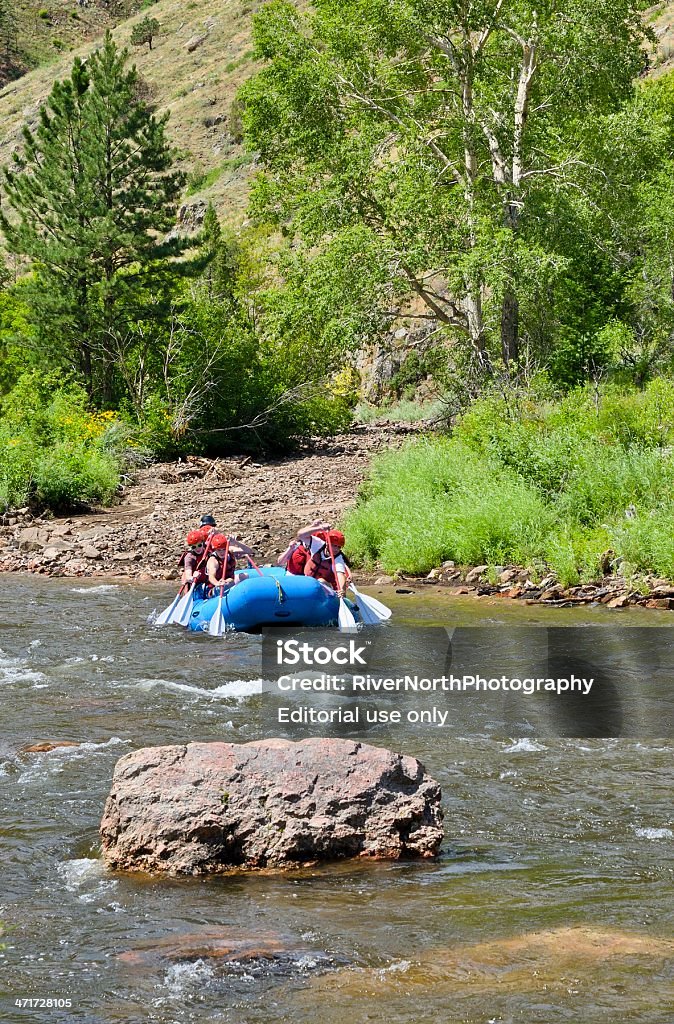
552 900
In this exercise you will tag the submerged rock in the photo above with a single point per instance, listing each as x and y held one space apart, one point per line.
209 807
46 746
533 962
208 944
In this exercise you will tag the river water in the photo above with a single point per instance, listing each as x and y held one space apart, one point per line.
552 900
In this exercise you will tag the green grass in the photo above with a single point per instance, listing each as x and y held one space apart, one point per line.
542 484
200 179
403 411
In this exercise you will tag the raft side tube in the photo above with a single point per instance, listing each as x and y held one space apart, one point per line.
276 598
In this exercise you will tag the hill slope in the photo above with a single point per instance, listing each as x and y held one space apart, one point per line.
660 17
198 60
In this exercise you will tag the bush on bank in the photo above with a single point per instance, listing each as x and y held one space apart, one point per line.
544 483
53 451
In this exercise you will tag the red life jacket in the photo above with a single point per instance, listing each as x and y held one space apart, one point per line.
321 569
298 560
223 573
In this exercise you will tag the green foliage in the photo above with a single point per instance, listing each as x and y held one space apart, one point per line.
144 32
435 500
93 194
403 411
532 482
431 126
199 179
53 451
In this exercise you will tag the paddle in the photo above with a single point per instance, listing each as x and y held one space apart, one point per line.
217 625
166 617
181 615
183 611
345 619
258 570
372 611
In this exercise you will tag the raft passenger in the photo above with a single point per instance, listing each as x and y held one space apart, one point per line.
193 555
299 551
327 562
221 564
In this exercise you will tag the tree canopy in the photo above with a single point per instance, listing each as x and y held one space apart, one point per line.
91 199
456 133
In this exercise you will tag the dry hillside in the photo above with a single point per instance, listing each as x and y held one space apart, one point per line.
661 19
198 60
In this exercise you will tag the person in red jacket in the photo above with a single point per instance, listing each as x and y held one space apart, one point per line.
327 562
193 554
221 564
298 552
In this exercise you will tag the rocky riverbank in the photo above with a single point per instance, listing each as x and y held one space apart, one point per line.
264 502
516 583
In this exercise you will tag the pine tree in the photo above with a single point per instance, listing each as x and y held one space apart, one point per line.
93 194
219 258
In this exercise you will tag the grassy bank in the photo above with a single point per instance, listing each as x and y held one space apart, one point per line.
568 484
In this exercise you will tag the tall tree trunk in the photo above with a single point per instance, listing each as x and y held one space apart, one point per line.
510 326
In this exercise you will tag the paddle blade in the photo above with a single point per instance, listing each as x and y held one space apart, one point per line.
367 616
345 619
372 610
165 617
181 615
217 625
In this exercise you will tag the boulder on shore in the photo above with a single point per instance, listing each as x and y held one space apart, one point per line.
211 807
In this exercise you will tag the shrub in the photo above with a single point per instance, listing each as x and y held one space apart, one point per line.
54 452
437 500
535 482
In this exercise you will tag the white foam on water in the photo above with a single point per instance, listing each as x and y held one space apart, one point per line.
654 833
53 762
397 967
102 890
183 978
237 688
524 746
77 872
111 908
102 588
16 670
114 741
309 963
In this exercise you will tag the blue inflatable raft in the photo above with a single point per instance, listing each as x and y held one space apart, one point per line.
276 598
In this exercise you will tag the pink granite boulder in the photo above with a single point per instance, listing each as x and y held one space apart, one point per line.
211 807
